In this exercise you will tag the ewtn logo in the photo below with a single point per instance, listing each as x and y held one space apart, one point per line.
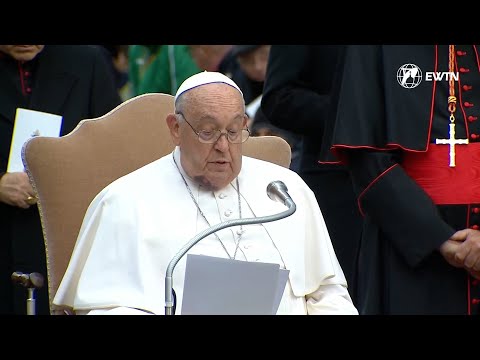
410 76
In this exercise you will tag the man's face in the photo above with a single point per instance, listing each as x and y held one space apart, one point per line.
254 63
22 52
211 107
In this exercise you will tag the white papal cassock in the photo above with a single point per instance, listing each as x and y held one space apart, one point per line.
134 227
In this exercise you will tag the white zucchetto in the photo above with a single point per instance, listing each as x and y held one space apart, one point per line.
203 78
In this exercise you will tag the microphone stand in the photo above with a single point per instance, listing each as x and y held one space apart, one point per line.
248 221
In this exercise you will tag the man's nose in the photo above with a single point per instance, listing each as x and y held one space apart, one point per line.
222 143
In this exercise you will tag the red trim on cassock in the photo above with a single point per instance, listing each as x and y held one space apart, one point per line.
476 56
343 160
22 82
369 186
444 184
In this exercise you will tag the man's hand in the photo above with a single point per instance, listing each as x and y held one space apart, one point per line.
15 188
450 247
469 252
463 250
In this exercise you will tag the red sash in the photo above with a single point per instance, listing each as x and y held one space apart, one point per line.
445 184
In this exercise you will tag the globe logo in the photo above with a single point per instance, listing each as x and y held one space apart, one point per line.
409 76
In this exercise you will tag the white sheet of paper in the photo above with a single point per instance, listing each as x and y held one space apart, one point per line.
30 123
218 286
282 281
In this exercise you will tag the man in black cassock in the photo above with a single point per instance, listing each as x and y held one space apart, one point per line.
68 80
297 97
408 129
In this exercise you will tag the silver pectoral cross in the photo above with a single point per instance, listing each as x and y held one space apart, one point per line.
452 142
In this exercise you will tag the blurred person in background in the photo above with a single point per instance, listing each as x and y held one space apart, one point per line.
117 58
212 57
172 65
250 73
140 57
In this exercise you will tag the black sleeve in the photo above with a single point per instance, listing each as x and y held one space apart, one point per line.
394 201
290 99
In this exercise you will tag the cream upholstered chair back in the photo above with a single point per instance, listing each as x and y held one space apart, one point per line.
269 148
69 171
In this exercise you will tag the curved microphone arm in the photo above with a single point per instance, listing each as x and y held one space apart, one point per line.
248 221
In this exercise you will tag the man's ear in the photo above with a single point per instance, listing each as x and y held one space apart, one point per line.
174 127
247 121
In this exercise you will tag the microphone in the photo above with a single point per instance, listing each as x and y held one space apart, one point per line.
32 282
276 191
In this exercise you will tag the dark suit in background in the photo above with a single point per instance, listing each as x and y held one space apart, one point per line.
68 80
296 97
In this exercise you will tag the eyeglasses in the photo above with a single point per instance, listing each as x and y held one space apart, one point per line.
212 136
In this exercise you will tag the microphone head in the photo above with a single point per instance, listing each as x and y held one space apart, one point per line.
33 280
277 191
37 280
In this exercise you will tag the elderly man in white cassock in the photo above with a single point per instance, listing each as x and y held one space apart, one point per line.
137 224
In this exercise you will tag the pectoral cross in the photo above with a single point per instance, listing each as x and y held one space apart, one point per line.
452 142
